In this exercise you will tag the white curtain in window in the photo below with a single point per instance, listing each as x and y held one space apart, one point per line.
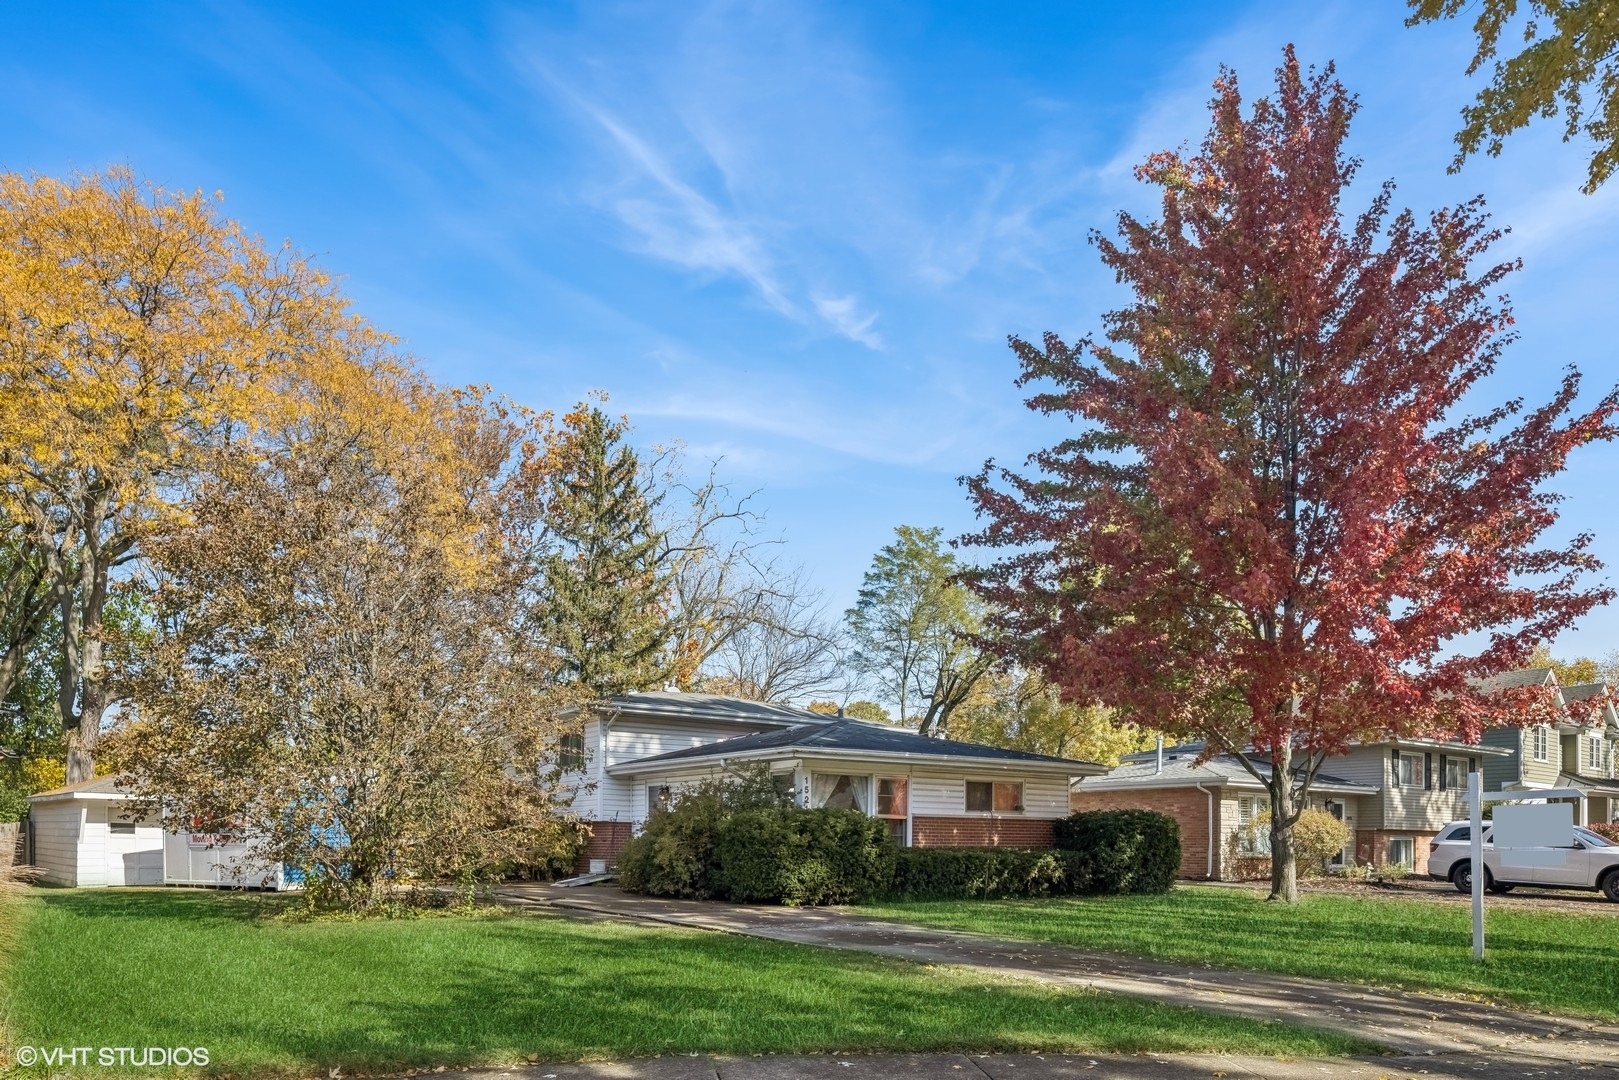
841 792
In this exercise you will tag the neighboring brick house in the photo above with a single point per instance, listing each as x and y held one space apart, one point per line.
635 750
1577 753
1394 797
1212 800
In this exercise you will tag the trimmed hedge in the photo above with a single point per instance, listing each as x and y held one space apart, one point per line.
801 857
730 844
961 873
1124 851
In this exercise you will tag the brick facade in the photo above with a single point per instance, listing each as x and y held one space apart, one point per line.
1372 846
607 839
983 832
1188 806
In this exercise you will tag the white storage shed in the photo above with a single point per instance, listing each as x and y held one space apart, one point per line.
87 834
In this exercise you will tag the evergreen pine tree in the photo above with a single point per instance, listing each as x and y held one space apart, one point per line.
606 585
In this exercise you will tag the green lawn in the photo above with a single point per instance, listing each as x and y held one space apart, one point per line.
178 968
1555 961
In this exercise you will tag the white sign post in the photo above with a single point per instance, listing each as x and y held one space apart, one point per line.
1474 779
1476 800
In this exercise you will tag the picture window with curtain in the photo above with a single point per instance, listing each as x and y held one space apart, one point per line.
1402 851
1410 770
841 792
1456 774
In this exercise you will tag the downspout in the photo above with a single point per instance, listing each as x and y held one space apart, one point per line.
1209 870
601 766
1160 767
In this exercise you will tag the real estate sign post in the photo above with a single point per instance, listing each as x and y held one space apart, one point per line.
1475 799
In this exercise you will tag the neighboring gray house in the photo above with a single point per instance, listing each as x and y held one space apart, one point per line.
1571 754
636 750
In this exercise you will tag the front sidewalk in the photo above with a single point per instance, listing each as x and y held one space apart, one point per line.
1418 1025
1485 1066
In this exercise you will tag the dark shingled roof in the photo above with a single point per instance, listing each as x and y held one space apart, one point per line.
852 735
1584 691
713 707
1508 680
1141 771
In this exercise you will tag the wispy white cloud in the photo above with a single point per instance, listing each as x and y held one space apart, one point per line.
845 316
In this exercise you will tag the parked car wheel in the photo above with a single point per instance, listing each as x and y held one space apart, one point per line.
1610 886
1462 878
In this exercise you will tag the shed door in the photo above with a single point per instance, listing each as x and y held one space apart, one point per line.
134 854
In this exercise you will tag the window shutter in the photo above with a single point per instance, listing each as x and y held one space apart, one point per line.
1443 762
1394 764
1472 764
1427 772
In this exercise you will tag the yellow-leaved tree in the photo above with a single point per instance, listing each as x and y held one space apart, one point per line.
1020 710
349 666
140 330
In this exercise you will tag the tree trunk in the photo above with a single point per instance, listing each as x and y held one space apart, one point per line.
82 690
1284 872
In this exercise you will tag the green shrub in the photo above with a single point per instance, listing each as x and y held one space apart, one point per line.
674 853
1123 851
959 873
801 857
13 804
1318 838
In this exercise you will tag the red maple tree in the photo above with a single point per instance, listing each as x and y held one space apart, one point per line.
1272 527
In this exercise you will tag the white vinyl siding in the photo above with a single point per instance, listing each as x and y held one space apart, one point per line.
935 794
56 828
630 738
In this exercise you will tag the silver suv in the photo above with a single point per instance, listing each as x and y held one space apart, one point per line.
1591 863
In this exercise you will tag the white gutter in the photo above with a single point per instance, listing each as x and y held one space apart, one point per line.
1209 871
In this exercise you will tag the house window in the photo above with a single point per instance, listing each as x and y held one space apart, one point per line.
1402 851
1456 774
841 792
1596 753
122 828
893 803
572 757
1410 770
1542 739
1000 797
1253 837
658 797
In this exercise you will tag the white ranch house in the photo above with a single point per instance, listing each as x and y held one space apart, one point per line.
637 749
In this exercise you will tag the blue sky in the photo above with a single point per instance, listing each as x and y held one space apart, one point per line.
791 235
